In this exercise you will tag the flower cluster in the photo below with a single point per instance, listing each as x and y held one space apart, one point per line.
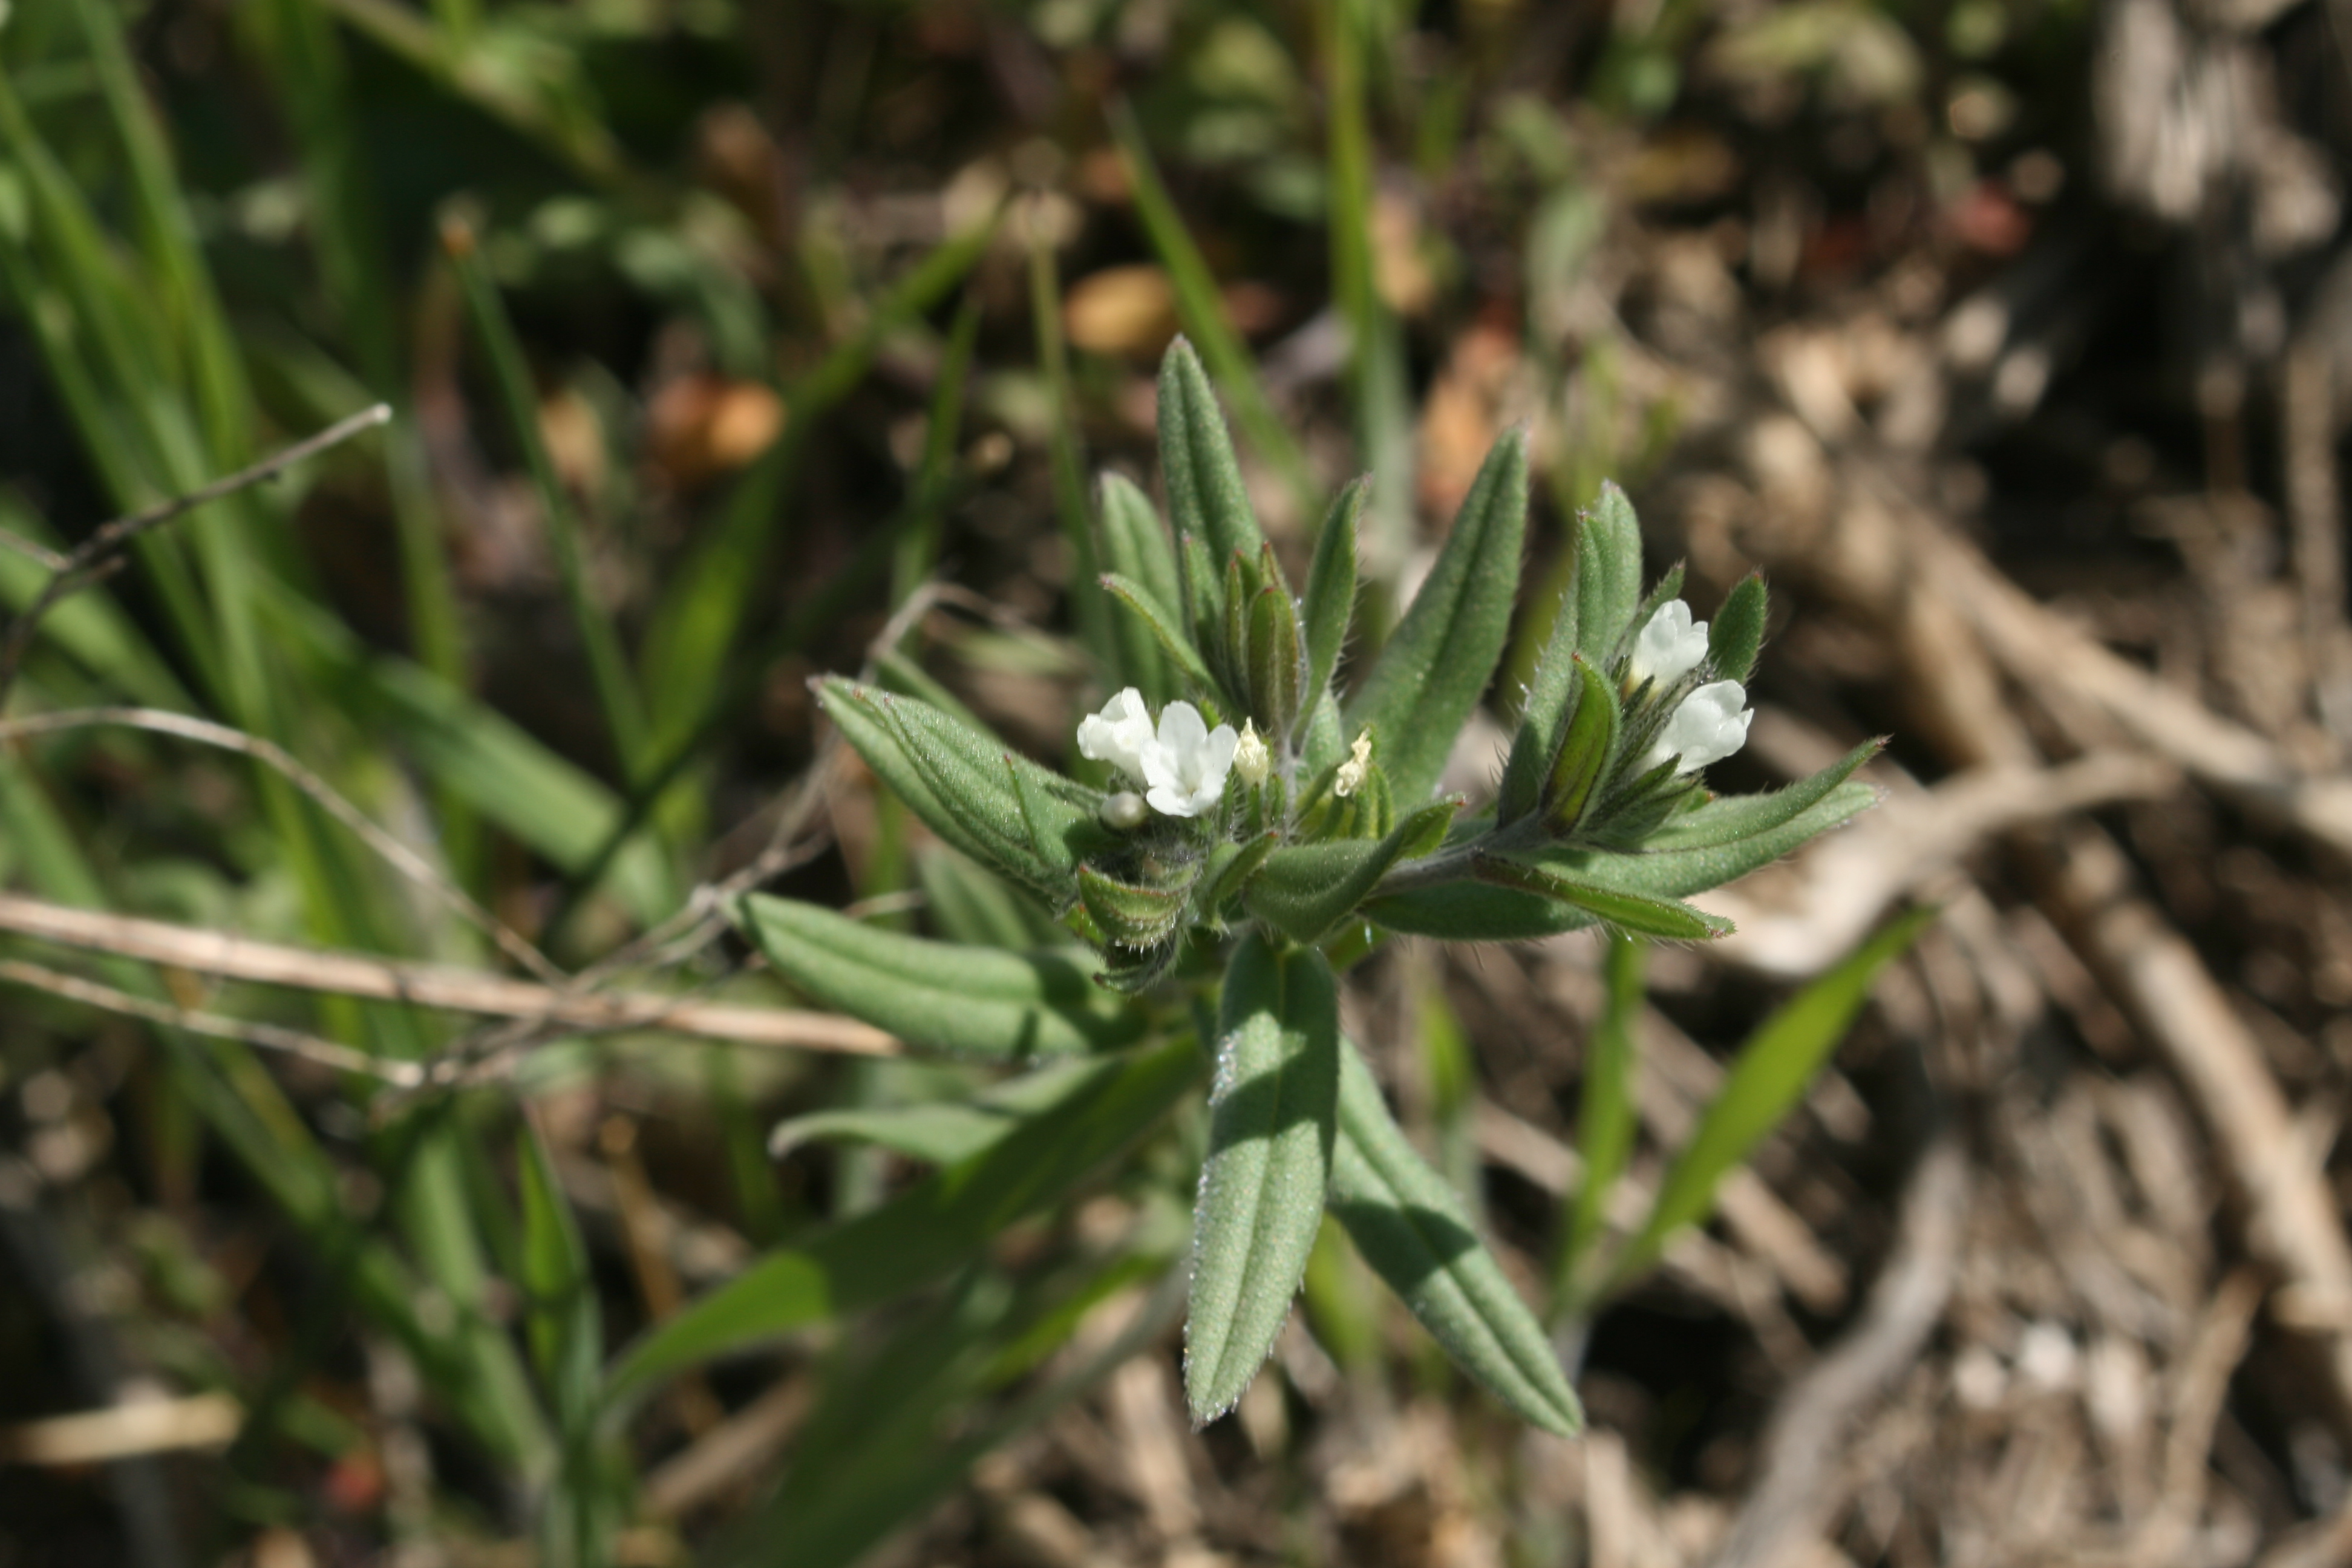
1711 723
1182 764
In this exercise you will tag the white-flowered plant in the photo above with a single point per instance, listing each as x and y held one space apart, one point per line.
1253 861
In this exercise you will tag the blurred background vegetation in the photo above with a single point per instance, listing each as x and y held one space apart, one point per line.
730 343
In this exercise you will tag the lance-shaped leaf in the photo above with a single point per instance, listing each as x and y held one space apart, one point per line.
1205 495
1415 1231
1135 544
1276 666
1161 624
1331 586
942 997
1230 867
1326 740
1429 677
935 1226
1728 819
1588 749
1129 915
1635 912
1273 1111
1306 889
1552 702
1608 573
973 775
1736 632
1132 545
935 1131
1204 593
1472 912
856 711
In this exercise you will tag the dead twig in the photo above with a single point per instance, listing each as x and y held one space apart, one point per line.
233 957
395 854
268 1037
94 557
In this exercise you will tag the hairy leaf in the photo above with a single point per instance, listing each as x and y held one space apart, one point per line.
1205 495
1470 911
1632 912
1416 1233
1331 587
1161 624
1608 574
1552 702
1304 889
1427 679
1728 819
942 997
1736 632
1272 1116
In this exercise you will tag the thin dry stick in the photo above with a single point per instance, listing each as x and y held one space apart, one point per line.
11 540
234 957
399 855
269 1037
95 556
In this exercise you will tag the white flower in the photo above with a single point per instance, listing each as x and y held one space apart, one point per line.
1251 760
1710 725
1669 647
1187 763
1352 771
1120 734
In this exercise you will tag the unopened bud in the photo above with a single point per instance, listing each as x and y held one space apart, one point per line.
1251 760
1124 811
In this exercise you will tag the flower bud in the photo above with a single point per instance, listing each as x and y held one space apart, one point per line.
1124 811
1352 771
1251 760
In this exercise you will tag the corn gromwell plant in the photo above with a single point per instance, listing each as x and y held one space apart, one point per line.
1257 820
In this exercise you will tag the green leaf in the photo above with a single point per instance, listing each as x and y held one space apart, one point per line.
1728 819
1272 1114
1230 867
1276 664
940 1132
1630 912
1161 624
1129 915
933 1227
1606 1116
1608 574
1134 547
938 996
1553 695
1416 1233
1588 749
955 778
1206 498
1430 676
1770 1075
1304 889
1204 592
1331 587
1467 911
1736 632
